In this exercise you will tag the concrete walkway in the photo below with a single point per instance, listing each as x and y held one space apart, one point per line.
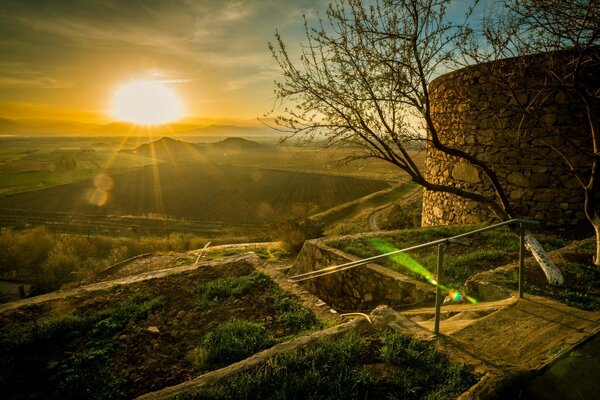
529 334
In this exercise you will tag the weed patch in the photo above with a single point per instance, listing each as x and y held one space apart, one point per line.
346 368
232 341
24 356
294 314
219 289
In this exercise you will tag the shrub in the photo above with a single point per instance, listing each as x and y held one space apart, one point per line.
60 264
293 232
232 341
403 217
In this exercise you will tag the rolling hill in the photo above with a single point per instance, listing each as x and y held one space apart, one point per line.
175 150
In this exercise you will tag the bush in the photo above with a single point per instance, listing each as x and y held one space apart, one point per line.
403 217
293 232
60 264
232 341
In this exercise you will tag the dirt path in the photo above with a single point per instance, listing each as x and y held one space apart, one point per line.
416 193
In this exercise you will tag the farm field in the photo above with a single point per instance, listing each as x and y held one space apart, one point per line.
212 193
223 188
129 186
35 163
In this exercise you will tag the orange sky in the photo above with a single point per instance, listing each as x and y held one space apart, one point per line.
64 59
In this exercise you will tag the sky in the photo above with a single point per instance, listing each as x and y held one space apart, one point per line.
65 59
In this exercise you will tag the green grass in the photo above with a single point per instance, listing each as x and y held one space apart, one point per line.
485 251
348 367
230 342
218 289
581 288
238 339
295 316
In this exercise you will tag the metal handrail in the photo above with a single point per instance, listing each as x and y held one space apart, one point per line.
442 244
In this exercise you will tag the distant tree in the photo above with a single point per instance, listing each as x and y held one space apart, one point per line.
569 32
362 81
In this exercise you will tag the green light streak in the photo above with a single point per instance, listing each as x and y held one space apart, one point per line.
410 263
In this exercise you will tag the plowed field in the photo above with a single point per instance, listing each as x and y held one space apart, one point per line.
214 193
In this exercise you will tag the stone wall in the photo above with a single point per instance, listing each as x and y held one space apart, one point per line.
475 114
360 288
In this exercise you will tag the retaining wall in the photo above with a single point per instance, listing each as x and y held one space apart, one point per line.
360 288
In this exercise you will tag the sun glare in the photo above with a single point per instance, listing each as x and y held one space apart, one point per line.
146 103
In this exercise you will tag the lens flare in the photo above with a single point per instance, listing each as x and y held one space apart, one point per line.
104 182
410 263
100 195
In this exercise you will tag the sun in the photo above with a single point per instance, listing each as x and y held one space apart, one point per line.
145 102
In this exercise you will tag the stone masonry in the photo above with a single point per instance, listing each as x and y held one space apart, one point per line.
361 288
473 113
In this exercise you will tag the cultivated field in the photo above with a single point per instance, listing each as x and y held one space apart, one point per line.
221 188
210 193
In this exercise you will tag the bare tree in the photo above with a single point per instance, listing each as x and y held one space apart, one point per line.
362 81
569 34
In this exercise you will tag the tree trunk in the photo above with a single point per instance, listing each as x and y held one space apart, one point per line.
597 256
552 273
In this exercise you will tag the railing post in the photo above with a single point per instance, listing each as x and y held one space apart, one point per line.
438 290
521 257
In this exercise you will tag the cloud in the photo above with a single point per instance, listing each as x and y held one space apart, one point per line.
22 75
264 73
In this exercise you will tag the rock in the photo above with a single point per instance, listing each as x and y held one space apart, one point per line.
153 329
517 178
538 180
466 172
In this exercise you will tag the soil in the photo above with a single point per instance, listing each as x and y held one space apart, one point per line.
160 350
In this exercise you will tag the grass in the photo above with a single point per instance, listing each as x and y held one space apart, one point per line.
237 339
486 251
295 316
581 289
25 352
230 342
391 365
218 289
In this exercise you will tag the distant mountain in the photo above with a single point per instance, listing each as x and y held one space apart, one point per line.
170 149
32 127
237 143
229 130
167 148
